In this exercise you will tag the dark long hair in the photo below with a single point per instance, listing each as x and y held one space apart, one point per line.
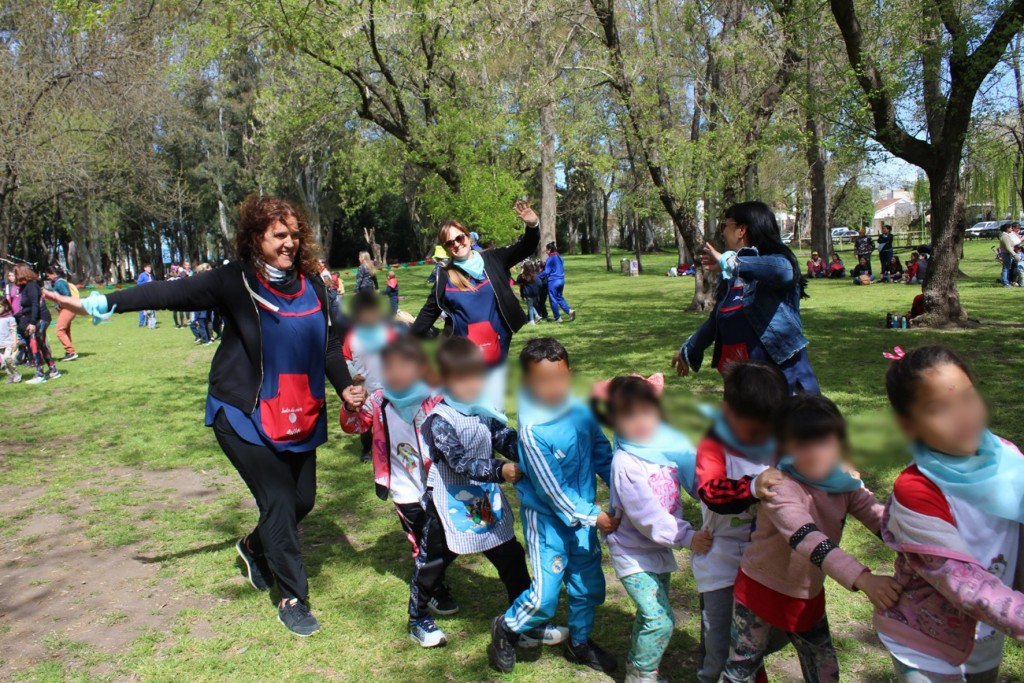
763 233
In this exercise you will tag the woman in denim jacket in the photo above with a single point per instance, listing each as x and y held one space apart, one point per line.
757 307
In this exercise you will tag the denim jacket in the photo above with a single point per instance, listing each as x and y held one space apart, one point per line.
771 302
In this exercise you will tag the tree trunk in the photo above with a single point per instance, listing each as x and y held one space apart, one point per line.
605 198
819 189
548 192
941 296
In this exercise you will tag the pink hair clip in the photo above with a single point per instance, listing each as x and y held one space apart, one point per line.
600 389
897 354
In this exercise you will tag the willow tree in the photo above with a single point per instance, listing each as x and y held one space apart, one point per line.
930 56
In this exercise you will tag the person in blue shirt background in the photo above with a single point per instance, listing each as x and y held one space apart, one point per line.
554 275
145 277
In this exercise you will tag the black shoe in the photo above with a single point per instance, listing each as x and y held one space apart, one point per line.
256 568
367 456
442 604
590 654
297 618
502 650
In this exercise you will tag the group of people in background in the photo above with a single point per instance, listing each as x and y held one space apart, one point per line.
1009 255
891 268
24 321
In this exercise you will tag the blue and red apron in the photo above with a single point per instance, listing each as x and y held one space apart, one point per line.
475 315
291 411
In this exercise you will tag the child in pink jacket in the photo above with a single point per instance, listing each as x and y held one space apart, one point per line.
954 518
780 588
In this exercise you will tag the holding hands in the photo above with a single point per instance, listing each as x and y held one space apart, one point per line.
882 591
762 486
701 542
354 396
511 473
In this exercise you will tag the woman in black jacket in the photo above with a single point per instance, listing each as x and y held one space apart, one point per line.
33 319
266 400
474 290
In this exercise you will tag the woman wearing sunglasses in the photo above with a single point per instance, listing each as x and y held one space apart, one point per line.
474 291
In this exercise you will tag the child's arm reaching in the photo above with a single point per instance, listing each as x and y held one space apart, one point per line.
360 420
866 508
445 440
646 512
504 439
714 488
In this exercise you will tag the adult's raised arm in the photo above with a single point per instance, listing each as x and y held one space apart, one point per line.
524 247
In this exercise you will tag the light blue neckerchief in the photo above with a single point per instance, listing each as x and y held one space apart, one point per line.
992 480
472 265
475 408
372 338
838 480
532 412
96 306
407 403
668 448
761 454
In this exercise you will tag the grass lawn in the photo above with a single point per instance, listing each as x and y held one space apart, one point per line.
120 512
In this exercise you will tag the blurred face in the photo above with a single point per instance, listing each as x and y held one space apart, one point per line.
10 277
400 373
948 414
280 244
863 261
186 265
749 430
639 424
815 459
735 236
456 243
861 231
835 257
466 388
148 269
815 256
370 317
549 383
52 277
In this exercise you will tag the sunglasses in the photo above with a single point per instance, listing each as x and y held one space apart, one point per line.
458 240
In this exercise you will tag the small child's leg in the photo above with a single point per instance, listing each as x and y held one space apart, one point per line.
536 605
817 653
509 559
654 622
430 564
715 621
749 645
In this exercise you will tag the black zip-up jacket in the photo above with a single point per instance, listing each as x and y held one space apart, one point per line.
498 266
236 373
33 308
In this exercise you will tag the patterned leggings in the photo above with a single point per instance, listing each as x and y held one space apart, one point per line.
655 619
907 674
751 639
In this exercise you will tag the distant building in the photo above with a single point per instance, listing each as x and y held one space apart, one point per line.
898 204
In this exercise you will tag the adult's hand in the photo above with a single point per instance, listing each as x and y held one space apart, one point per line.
354 396
710 258
68 303
30 330
527 214
679 363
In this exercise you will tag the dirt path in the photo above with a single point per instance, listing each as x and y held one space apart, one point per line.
59 588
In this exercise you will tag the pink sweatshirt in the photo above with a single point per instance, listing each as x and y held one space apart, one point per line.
796 541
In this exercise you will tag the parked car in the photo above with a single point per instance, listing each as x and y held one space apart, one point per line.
787 237
843 235
982 230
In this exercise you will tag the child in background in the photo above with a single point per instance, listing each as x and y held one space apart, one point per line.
395 415
530 291
652 463
733 474
562 450
464 504
363 344
816 266
8 341
392 292
955 519
836 267
780 588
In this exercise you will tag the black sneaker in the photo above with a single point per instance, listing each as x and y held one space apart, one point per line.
442 604
590 654
502 650
297 618
256 568
366 457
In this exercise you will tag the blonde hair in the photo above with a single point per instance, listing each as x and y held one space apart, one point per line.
455 274
365 260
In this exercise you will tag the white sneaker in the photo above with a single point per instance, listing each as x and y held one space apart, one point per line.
425 633
54 374
548 634
634 675
38 379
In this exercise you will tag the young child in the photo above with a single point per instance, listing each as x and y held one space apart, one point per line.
780 588
392 292
562 450
955 519
465 508
652 463
394 415
362 347
8 341
733 474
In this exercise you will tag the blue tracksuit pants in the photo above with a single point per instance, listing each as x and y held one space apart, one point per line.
559 555
558 301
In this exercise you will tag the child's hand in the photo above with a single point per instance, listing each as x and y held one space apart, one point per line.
851 470
701 542
765 481
882 591
511 473
354 397
606 523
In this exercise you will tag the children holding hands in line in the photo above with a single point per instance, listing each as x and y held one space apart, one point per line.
774 492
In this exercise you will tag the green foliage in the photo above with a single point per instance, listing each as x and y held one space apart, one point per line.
483 204
856 209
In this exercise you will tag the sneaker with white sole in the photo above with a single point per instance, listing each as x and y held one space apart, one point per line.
70 356
297 618
425 633
14 379
441 603
54 374
548 634
635 675
256 568
38 379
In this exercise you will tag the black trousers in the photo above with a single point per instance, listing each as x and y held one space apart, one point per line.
433 559
284 486
366 442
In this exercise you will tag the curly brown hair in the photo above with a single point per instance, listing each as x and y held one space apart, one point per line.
259 212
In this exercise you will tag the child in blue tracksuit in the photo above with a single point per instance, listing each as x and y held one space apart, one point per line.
561 449
554 275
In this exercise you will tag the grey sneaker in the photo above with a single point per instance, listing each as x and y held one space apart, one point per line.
70 356
425 633
256 568
38 379
14 379
634 675
54 374
297 618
